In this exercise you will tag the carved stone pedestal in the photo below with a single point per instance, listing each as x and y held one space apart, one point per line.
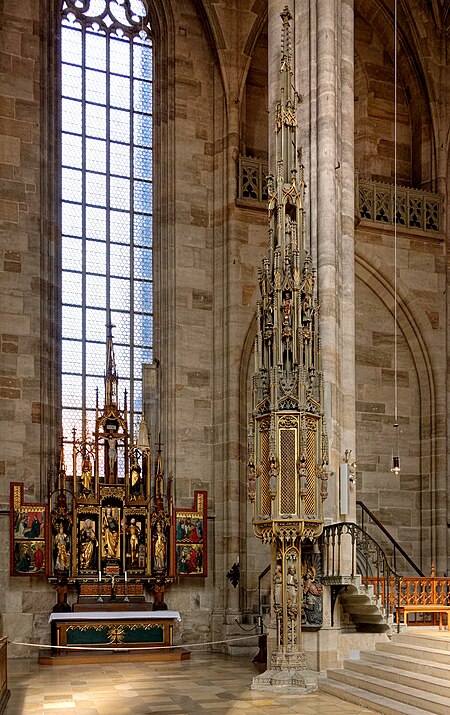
288 681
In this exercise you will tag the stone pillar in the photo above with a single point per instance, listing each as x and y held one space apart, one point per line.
324 61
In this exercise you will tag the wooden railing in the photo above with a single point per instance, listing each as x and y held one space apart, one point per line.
4 692
417 595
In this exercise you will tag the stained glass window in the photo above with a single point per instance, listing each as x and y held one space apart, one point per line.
106 184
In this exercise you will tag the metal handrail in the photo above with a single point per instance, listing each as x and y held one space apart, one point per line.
260 578
379 572
394 542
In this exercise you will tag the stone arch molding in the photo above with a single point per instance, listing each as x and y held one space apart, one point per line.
371 275
383 289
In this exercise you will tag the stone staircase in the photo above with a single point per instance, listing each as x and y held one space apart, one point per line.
409 675
363 609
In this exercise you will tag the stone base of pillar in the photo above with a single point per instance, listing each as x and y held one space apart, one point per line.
301 682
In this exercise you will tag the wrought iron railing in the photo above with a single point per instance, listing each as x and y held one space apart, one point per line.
414 208
399 556
362 555
347 550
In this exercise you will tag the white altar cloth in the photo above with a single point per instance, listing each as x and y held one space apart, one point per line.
115 615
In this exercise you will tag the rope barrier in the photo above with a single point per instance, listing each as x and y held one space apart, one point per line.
134 648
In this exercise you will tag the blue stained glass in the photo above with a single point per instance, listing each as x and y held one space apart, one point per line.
122 354
143 229
120 294
142 129
71 253
95 291
142 163
143 96
71 116
70 419
96 359
121 320
72 184
120 56
119 91
72 322
71 288
141 356
71 390
120 159
71 81
96 257
143 196
142 263
120 193
95 120
71 356
96 223
143 295
71 219
96 188
96 155
143 328
95 50
92 383
96 86
120 260
95 324
71 44
108 158
137 389
119 125
142 60
71 150
120 226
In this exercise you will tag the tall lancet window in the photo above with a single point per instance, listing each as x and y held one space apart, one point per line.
106 179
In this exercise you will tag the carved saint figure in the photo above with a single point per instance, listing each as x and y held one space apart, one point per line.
134 533
135 477
61 550
88 544
86 474
312 599
277 587
160 548
110 534
292 588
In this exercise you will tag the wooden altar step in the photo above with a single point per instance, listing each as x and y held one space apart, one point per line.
153 655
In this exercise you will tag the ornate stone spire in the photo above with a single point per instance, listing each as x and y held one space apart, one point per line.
288 451
111 377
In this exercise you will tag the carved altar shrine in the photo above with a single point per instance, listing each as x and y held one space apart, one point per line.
110 530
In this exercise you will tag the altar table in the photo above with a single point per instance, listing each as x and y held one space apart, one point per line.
106 629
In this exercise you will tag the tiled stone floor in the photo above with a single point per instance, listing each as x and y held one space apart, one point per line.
207 683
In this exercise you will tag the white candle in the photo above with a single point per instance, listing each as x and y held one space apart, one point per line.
126 577
99 575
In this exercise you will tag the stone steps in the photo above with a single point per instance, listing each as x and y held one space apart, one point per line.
409 675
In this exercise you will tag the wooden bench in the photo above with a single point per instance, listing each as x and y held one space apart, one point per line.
423 608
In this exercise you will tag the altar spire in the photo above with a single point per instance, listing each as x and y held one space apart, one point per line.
111 377
288 450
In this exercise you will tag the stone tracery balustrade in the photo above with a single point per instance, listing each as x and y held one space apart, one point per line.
374 199
415 209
